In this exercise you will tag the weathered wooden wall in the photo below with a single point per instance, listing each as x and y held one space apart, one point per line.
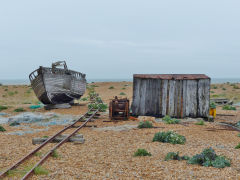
177 98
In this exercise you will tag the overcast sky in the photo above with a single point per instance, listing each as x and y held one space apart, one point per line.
117 38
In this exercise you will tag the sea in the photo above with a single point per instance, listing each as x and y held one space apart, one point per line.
27 82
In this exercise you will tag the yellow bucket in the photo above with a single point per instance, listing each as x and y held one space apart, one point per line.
213 112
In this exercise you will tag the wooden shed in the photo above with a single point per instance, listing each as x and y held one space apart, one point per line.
176 95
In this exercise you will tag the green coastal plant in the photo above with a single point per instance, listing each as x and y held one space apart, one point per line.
111 87
238 146
168 120
169 137
208 157
235 86
175 156
2 129
214 87
15 123
40 171
55 154
142 152
145 124
212 105
84 99
229 107
19 110
3 107
122 94
102 107
10 93
201 122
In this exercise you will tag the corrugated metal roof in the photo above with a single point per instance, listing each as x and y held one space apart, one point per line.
171 76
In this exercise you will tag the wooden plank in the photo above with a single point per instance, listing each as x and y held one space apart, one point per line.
206 98
171 105
191 100
142 93
179 98
136 96
176 95
158 97
184 98
164 97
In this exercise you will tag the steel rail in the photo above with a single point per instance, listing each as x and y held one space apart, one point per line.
57 146
3 174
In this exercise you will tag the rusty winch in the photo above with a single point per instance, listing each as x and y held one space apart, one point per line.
119 109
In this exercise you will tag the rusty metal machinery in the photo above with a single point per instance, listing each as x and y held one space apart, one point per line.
119 109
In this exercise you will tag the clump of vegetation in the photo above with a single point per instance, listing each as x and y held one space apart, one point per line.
19 110
40 171
10 93
102 107
145 124
229 107
201 122
27 102
55 154
214 87
6 89
168 120
93 85
3 107
209 158
175 156
123 88
28 91
142 152
20 172
169 137
212 92
45 137
235 86
224 89
122 94
2 129
111 87
84 99
238 135
212 105
39 154
238 146
15 123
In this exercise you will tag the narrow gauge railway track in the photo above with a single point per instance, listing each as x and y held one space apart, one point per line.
29 173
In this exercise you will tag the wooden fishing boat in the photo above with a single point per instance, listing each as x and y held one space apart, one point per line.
57 85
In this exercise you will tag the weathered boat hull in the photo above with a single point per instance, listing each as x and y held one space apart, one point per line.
57 86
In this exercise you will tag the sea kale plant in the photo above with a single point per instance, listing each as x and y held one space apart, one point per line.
229 107
96 101
142 152
145 124
169 137
168 120
209 158
175 156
